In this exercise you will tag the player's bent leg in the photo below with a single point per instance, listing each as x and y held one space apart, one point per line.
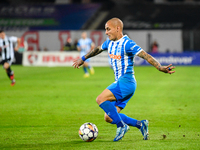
106 95
111 111
108 119
9 72
104 102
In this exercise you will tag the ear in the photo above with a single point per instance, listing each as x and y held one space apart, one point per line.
118 28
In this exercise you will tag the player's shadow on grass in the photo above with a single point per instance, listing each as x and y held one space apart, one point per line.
67 144
96 141
41 145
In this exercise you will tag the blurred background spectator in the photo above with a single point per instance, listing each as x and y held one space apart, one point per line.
68 45
154 47
23 46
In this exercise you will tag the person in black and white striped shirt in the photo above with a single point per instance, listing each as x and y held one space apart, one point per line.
7 53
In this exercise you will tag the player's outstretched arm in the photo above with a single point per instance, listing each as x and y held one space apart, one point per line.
155 63
78 62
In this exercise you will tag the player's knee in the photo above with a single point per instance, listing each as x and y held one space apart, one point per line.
99 99
6 65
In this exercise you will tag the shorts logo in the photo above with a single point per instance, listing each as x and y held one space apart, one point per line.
115 56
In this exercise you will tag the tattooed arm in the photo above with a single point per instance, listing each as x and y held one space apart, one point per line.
155 63
94 52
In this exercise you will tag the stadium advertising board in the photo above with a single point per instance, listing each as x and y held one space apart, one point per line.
49 58
55 40
173 58
52 59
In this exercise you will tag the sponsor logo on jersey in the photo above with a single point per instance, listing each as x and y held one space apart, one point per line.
115 56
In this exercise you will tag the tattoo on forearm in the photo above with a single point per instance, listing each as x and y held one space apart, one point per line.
94 52
150 59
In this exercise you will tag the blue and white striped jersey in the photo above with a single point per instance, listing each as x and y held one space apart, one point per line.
85 45
122 53
6 46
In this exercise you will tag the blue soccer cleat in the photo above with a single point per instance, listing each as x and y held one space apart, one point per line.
144 129
120 132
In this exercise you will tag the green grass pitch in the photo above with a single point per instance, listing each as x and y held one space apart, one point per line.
46 107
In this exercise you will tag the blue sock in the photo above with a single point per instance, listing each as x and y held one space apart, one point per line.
85 69
130 121
89 67
111 111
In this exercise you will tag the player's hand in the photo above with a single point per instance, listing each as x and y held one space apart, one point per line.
16 48
77 63
167 69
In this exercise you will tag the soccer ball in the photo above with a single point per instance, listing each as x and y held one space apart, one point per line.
88 132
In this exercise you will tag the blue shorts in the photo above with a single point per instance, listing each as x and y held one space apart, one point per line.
123 89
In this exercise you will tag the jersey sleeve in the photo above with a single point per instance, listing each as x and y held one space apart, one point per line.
13 39
132 48
104 46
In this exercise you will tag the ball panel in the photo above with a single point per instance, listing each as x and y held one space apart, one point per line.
85 137
82 127
91 134
95 134
88 132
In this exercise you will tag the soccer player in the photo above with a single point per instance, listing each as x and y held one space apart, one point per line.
114 98
85 45
7 53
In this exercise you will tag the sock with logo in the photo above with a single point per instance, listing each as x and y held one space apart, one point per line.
111 111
